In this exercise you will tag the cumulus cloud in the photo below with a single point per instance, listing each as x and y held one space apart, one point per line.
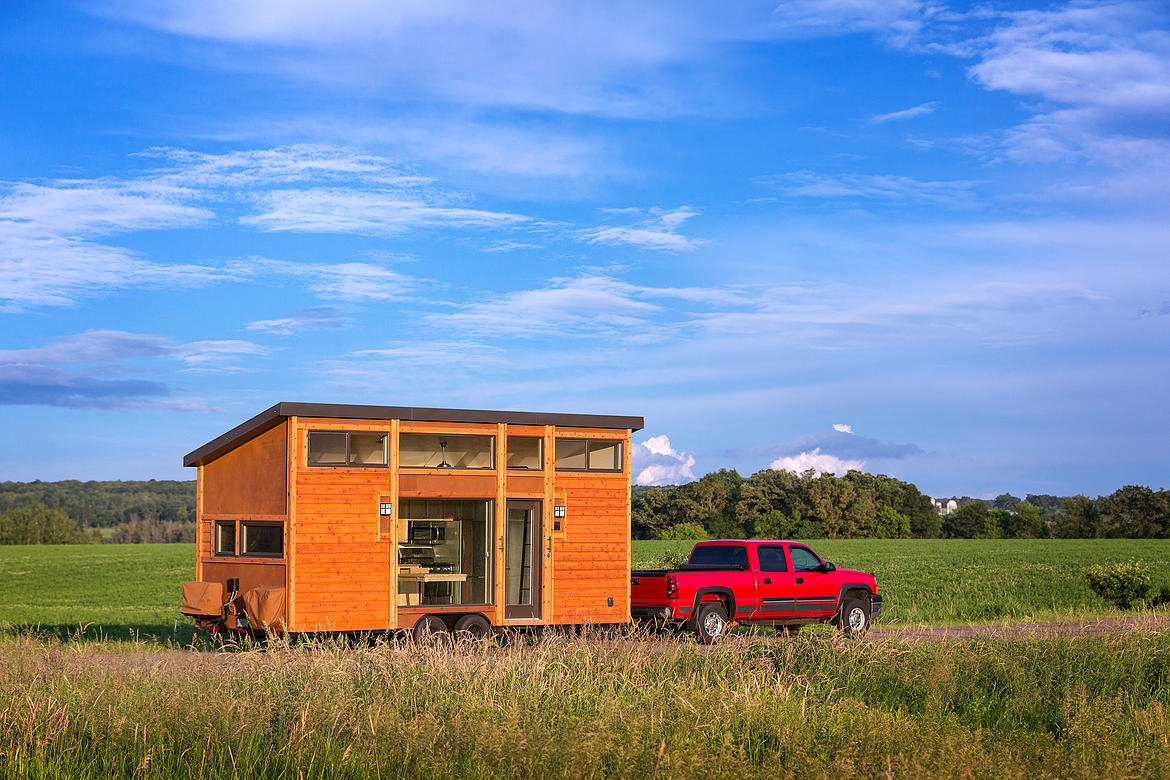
834 451
817 461
656 462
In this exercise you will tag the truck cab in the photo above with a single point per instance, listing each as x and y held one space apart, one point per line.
754 582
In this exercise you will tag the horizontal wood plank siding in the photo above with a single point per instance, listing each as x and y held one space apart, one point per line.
591 563
342 573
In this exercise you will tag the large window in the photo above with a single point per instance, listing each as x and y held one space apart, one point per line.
804 559
445 451
526 452
588 455
444 551
343 448
257 538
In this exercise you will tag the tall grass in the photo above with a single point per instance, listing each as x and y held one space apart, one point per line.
567 706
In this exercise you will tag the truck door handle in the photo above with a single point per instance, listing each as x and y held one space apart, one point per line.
799 580
767 580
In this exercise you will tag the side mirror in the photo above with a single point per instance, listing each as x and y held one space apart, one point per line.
827 567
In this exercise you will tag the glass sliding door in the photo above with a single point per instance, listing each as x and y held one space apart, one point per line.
523 560
444 551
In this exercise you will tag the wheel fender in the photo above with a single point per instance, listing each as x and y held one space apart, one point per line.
848 586
720 591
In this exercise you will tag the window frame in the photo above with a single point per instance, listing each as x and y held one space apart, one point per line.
215 551
621 454
265 523
346 464
539 458
491 450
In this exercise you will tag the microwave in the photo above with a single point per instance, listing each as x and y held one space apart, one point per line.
427 534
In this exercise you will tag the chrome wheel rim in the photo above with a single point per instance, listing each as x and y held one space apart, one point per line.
856 619
713 624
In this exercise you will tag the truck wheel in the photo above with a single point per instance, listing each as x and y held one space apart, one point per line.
473 626
854 617
710 622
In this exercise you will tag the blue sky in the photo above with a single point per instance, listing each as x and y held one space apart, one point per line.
926 239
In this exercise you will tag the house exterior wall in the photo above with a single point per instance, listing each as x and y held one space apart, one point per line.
340 563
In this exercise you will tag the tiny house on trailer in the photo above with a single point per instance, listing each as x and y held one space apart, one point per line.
327 517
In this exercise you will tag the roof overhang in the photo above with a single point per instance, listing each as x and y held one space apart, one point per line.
273 416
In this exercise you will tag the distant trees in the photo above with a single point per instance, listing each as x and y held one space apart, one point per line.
38 524
782 505
150 511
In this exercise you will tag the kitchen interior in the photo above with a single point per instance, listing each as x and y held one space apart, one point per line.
444 551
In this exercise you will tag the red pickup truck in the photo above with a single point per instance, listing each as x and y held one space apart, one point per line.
781 584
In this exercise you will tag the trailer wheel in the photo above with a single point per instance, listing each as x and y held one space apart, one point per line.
474 626
428 628
710 622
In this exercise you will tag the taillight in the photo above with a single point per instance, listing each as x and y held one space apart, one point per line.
671 587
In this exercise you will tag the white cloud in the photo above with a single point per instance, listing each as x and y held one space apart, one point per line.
315 318
907 113
842 428
896 20
820 462
363 212
903 189
656 462
659 232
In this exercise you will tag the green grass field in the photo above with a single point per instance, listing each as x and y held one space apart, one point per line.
119 589
137 696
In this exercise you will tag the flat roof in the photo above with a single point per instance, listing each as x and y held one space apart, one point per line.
271 417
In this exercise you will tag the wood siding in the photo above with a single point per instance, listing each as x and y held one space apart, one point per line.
342 574
249 480
592 563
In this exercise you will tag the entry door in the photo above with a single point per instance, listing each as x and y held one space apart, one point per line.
522 561
815 591
774 583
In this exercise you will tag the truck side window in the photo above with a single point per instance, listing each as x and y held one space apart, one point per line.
804 559
729 555
772 559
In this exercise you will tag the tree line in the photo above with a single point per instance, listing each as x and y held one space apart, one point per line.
71 511
780 504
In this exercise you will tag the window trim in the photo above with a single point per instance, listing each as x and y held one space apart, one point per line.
445 469
215 524
621 443
539 458
267 523
346 464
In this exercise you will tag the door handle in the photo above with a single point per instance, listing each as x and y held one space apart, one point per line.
799 580
767 580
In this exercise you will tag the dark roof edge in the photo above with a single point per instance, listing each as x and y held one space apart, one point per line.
271 417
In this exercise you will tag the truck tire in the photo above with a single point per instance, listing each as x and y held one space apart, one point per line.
710 622
854 618
474 626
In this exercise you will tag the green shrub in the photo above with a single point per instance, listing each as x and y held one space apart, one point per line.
683 531
1121 583
889 523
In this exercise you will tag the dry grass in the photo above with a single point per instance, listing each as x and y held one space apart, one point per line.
595 706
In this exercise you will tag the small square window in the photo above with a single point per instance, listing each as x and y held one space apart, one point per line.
571 454
526 452
225 538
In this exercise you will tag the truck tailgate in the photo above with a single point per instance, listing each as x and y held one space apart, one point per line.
648 586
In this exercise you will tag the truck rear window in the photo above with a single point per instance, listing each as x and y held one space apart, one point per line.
731 556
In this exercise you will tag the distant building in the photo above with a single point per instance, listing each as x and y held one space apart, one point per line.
945 506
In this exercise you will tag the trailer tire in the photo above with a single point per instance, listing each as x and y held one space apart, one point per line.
428 628
473 626
711 622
